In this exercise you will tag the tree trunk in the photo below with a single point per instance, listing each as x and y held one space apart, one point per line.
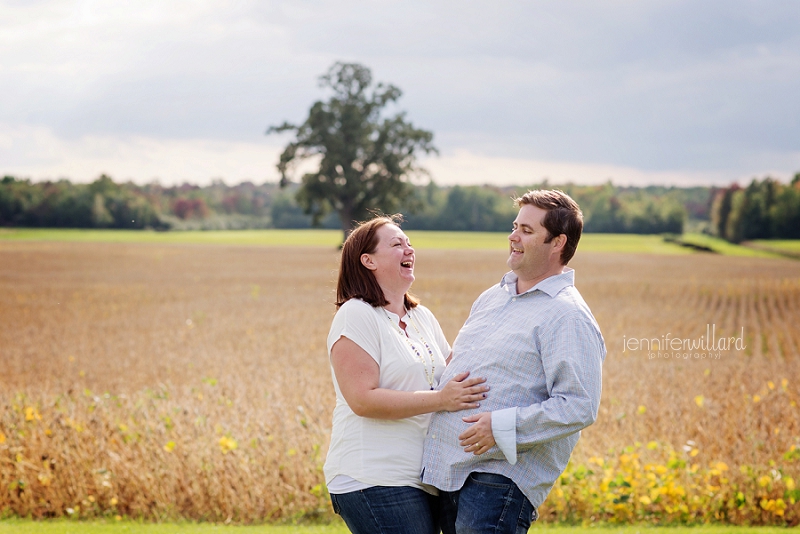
346 218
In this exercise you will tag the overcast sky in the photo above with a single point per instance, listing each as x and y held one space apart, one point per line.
667 92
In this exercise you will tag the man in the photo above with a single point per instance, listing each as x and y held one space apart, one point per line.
534 339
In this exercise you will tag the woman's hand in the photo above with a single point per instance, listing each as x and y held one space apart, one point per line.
462 393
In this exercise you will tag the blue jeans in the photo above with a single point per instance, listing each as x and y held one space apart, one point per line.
486 504
388 510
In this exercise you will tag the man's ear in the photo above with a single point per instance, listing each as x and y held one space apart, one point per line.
366 261
560 242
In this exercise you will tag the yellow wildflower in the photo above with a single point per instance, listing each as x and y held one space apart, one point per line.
645 500
169 446
642 409
113 501
699 400
756 398
789 483
32 413
694 452
44 479
771 384
652 445
764 481
227 444
2 438
721 466
784 383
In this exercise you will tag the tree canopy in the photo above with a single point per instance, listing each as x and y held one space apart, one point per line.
366 157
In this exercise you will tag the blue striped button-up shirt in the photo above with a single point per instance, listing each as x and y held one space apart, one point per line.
542 353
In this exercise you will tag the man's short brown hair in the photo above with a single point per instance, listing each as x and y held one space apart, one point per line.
563 216
355 280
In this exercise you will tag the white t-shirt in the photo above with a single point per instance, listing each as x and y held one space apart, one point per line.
367 452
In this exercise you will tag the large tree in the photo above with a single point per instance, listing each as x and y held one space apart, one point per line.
366 157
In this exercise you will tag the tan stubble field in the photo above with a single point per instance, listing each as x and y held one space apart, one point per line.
192 381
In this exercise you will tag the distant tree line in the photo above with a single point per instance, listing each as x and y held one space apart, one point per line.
108 204
765 209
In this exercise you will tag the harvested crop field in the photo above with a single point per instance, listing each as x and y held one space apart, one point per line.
191 381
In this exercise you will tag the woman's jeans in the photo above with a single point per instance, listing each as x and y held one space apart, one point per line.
385 509
486 504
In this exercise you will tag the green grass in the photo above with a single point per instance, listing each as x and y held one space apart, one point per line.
723 247
786 246
629 243
649 244
330 238
16 526
625 243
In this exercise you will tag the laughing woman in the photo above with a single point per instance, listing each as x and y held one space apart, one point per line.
387 353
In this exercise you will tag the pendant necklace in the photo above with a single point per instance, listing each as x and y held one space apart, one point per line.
428 376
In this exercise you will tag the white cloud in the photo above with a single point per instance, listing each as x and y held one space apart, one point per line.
37 153
666 89
464 167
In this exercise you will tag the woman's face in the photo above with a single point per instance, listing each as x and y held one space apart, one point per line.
392 262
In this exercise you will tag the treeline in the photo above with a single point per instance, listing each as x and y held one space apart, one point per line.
107 204
764 209
607 208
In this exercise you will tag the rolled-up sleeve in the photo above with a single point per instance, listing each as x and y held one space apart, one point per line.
572 353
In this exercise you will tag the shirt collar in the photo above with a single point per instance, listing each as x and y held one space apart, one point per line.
551 285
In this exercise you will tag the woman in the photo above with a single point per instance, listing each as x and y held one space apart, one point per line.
387 353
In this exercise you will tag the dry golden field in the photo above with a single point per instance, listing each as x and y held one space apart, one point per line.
165 381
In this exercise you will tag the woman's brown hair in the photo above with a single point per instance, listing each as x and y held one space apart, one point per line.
356 281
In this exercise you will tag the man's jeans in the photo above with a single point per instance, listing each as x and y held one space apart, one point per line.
384 510
486 504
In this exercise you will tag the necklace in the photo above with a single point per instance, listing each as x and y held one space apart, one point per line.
428 376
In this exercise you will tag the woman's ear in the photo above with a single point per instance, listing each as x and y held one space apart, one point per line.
366 261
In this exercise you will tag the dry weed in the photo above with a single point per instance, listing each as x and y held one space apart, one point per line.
192 381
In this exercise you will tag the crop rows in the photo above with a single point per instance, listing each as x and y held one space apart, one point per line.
181 381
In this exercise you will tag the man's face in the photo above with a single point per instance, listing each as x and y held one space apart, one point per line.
529 256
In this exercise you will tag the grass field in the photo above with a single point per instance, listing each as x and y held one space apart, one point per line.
788 247
721 246
621 243
71 527
167 381
651 244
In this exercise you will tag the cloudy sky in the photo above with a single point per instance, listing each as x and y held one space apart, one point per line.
667 92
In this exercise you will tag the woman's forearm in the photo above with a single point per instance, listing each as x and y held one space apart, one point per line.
380 403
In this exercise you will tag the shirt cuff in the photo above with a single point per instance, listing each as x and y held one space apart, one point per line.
504 430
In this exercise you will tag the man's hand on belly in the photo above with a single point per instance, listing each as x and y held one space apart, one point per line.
478 438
